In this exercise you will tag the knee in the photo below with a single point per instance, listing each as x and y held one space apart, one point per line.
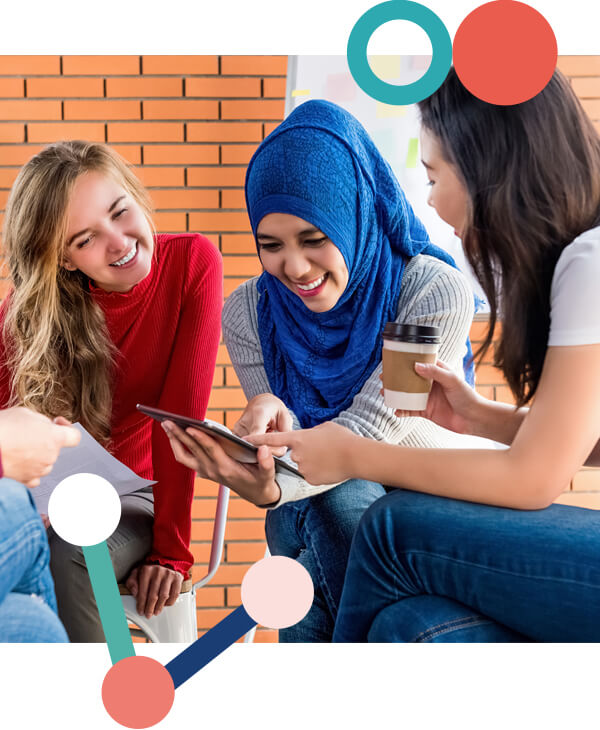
17 510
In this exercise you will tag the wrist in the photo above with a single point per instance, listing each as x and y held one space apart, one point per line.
271 496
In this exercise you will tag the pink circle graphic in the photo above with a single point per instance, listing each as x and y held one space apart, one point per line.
277 592
138 692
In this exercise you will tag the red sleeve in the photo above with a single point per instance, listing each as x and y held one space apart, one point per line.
186 390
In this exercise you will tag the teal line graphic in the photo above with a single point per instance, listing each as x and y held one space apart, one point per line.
109 602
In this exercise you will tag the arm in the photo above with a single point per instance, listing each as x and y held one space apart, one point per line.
433 294
186 390
555 438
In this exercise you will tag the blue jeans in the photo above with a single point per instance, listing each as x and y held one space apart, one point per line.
425 568
318 532
27 602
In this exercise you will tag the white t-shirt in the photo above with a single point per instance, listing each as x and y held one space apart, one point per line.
575 293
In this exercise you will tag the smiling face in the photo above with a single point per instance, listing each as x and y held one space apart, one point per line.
303 259
109 238
448 195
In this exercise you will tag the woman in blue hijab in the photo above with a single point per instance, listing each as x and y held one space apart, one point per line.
343 253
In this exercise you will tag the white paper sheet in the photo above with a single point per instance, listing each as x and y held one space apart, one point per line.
88 456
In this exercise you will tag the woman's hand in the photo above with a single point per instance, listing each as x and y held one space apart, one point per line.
263 414
154 587
198 451
30 443
324 454
452 403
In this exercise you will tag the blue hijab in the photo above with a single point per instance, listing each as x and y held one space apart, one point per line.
321 165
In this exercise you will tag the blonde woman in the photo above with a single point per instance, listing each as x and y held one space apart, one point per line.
104 314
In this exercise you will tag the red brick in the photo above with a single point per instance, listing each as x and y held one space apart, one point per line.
28 110
242 266
145 132
3 199
215 415
478 331
227 398
5 288
245 552
53 132
230 285
579 65
11 87
487 391
209 617
592 107
254 65
269 127
186 154
222 88
218 221
231 378
274 88
12 132
504 395
259 109
241 509
223 356
489 375
587 88
218 377
205 487
130 153
143 87
25 65
210 596
101 110
240 243
185 199
201 553
202 530
245 530
64 87
216 177
234 596
7 178
100 65
203 508
233 199
169 222
174 65
228 575
17 154
224 132
153 177
181 109
232 417
266 636
235 154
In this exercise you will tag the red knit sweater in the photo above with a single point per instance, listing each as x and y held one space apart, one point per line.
167 332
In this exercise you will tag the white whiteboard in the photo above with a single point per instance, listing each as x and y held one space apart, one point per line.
395 130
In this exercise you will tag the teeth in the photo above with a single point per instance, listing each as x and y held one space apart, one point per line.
127 258
312 285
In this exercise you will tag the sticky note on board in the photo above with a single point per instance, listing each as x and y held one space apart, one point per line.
386 67
340 87
385 111
301 92
413 152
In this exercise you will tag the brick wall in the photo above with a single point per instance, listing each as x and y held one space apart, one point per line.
189 125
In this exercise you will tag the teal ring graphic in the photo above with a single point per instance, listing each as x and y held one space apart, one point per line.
441 45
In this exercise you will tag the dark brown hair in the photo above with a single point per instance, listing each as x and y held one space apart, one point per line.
532 173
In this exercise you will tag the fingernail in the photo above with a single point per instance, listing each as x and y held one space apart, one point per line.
166 427
420 365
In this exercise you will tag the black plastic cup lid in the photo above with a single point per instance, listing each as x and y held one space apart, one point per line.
412 333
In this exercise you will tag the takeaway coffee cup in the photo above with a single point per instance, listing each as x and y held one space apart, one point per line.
403 346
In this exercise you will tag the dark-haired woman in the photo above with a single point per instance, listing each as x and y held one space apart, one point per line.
476 551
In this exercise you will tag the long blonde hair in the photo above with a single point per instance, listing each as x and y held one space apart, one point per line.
59 352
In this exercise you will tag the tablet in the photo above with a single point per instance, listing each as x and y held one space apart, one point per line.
232 445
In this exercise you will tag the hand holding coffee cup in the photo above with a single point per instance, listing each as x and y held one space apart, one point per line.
403 346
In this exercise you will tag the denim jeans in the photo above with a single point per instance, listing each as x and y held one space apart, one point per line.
27 602
317 532
425 568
